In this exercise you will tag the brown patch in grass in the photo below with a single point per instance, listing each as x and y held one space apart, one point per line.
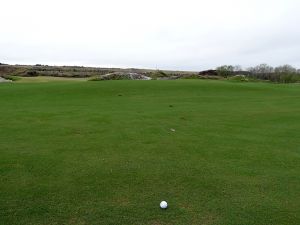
121 201
76 221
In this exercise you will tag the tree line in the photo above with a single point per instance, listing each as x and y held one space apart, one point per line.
283 74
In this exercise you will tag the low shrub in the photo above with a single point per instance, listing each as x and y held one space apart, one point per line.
289 78
225 70
157 74
239 78
11 77
32 73
191 76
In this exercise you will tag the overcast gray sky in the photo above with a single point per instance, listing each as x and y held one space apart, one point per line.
164 34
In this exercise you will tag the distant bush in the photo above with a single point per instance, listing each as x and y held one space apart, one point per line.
289 77
10 77
225 71
120 76
280 74
190 76
285 69
32 74
241 78
261 69
109 77
157 74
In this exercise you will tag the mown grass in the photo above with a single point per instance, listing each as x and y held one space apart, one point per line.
103 153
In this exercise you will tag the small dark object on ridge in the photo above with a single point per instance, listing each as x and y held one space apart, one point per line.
120 95
171 106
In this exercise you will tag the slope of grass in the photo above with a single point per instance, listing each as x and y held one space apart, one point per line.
41 79
104 153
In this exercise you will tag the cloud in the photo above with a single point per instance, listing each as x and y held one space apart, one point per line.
190 34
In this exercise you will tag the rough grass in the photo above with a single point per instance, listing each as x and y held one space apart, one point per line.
41 79
104 153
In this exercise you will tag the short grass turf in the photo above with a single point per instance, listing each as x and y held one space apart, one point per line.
104 153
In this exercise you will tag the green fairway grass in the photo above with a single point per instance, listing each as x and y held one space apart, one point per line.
107 153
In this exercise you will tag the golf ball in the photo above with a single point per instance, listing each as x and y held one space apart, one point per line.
163 205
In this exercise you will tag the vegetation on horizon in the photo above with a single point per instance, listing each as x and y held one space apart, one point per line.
280 74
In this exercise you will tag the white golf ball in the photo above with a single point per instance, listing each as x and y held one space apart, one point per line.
163 205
